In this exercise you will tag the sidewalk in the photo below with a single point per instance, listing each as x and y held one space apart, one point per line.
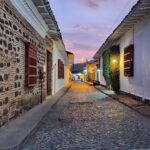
18 130
89 83
139 106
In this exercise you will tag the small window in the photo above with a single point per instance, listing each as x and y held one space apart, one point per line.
128 61
30 65
60 69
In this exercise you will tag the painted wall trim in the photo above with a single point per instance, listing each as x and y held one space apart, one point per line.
28 10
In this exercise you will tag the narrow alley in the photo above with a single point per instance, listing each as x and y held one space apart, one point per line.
85 118
74 75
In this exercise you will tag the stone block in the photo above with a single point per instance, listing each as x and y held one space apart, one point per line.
1 78
14 53
1 89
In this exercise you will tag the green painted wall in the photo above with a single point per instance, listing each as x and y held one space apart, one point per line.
106 66
111 69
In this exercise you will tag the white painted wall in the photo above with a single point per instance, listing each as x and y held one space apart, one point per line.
58 84
102 79
139 84
77 76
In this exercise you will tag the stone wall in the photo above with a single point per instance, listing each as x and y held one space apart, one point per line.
15 98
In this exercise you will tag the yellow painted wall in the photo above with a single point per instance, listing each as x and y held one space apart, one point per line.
91 71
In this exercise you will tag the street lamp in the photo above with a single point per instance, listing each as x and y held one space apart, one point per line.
114 60
85 71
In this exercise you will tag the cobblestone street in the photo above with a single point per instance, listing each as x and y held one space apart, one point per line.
86 119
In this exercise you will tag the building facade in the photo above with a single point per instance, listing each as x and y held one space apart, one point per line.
31 51
127 49
92 71
78 72
70 57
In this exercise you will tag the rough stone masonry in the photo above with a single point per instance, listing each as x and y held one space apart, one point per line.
15 98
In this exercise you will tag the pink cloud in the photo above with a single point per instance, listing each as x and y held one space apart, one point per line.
79 54
81 28
68 45
91 3
76 45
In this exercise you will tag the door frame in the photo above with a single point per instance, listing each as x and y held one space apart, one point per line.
47 82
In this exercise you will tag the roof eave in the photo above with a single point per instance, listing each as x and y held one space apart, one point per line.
138 11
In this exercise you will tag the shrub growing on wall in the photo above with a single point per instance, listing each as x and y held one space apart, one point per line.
115 68
106 66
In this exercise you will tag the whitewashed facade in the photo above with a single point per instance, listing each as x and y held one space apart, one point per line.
59 53
139 36
133 31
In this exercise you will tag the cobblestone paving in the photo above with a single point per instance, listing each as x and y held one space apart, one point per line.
86 119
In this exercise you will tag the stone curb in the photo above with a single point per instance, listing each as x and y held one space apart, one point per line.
50 103
89 83
118 100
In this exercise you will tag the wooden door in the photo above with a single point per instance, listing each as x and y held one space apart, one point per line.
49 73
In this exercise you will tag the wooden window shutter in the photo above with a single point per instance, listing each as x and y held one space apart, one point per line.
60 69
30 65
129 61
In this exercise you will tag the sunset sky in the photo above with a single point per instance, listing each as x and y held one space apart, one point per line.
85 24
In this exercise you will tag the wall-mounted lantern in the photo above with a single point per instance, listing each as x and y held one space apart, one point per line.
114 61
115 68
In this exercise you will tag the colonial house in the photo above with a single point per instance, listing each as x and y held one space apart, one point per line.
124 57
70 57
92 71
32 53
78 72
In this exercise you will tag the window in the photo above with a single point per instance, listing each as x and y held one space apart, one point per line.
30 65
60 69
128 60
